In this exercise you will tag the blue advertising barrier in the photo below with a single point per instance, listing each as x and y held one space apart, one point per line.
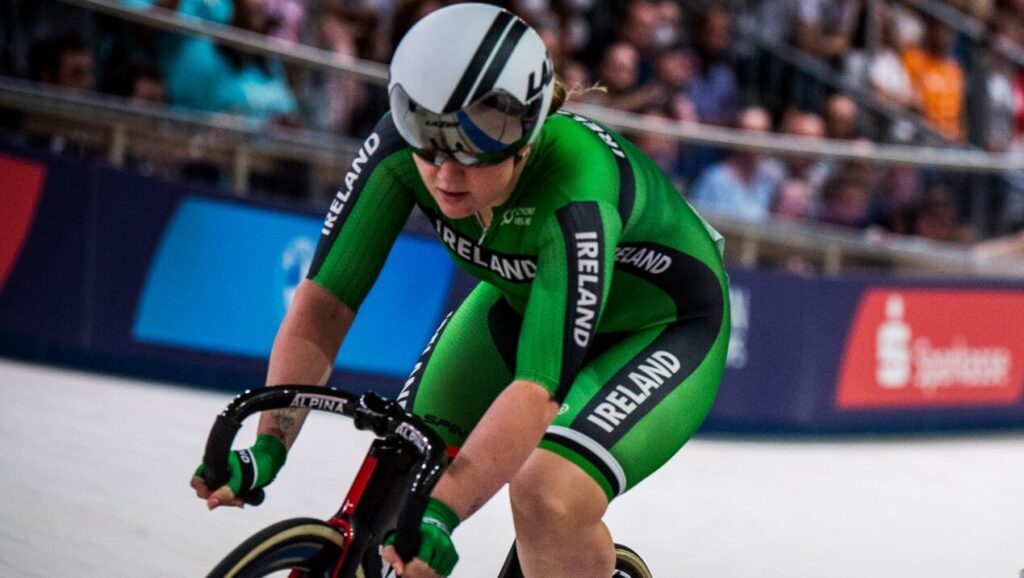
813 354
114 271
127 273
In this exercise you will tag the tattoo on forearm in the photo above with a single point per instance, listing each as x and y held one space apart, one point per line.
285 424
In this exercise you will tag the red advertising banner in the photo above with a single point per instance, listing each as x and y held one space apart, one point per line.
926 348
21 183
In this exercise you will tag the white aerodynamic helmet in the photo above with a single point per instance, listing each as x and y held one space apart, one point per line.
470 82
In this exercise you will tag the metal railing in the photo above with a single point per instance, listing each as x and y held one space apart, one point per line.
836 249
833 250
119 122
376 73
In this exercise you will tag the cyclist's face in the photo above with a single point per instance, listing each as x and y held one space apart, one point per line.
462 191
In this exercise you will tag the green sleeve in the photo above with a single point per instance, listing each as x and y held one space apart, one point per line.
574 272
363 220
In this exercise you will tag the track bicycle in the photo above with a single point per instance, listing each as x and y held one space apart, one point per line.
390 492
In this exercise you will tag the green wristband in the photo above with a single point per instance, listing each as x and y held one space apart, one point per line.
274 450
254 467
438 511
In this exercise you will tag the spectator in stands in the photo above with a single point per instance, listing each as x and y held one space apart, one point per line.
407 13
641 28
884 73
842 123
807 169
937 218
575 76
826 27
553 41
846 202
1012 13
619 74
671 88
206 76
374 102
898 197
286 19
670 20
63 60
138 81
743 184
841 117
794 201
938 80
882 68
777 19
994 126
664 151
332 99
713 89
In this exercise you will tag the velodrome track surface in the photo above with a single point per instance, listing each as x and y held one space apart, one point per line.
94 472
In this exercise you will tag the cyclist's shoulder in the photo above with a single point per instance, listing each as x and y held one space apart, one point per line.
384 137
571 162
580 134
383 150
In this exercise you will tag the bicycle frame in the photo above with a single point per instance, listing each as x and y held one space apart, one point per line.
390 490
393 484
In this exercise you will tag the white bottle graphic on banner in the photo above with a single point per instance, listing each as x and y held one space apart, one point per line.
892 346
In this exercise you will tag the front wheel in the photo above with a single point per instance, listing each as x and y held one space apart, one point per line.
297 548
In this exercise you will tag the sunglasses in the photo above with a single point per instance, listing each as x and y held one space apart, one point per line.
437 157
485 132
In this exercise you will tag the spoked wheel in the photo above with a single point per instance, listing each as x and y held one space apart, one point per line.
629 564
296 548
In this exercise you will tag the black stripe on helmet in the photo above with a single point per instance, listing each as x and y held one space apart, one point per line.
476 65
500 59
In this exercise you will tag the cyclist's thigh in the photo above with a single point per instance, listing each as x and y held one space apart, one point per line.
636 404
465 366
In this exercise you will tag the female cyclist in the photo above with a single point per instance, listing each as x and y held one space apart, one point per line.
594 344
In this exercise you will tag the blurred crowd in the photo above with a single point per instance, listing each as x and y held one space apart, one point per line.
699 61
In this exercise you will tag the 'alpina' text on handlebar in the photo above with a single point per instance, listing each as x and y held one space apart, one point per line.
319 402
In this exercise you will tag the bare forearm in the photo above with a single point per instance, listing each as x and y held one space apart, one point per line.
498 447
304 352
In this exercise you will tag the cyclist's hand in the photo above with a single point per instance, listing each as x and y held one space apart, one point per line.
437 555
251 469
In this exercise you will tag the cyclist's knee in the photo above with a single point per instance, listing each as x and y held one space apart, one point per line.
552 492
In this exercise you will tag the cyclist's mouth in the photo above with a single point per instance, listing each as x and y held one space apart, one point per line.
453 196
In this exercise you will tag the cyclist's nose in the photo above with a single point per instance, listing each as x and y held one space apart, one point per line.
450 172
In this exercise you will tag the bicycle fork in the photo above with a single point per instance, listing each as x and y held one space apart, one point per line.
372 505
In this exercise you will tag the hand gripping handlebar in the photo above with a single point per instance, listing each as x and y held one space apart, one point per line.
384 417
